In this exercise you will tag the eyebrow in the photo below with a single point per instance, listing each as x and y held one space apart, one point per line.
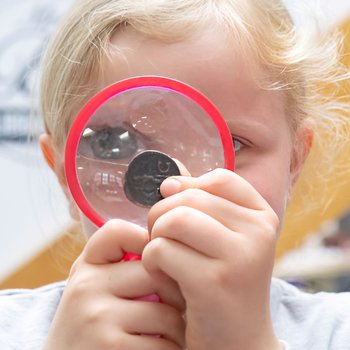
244 124
247 130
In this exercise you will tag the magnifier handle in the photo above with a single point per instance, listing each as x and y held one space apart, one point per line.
151 297
131 257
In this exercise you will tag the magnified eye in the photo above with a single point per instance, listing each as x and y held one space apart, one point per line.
111 143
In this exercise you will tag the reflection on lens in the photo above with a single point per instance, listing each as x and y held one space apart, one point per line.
149 112
111 143
107 186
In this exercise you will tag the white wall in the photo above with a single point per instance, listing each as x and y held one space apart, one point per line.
33 209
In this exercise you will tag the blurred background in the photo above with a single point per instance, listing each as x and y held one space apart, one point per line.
38 241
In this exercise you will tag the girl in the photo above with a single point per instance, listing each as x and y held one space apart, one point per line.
209 249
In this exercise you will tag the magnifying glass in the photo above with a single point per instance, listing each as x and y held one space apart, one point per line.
134 134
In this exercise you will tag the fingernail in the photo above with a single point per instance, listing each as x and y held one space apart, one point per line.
169 187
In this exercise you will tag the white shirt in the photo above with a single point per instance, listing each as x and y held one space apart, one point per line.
302 321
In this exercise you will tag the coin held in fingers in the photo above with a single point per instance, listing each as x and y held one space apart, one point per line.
145 174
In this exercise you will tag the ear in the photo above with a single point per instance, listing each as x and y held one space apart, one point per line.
55 161
303 141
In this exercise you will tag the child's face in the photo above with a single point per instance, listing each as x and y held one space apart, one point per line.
214 66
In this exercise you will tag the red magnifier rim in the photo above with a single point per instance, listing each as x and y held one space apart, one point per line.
95 102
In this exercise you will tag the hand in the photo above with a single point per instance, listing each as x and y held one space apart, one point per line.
97 310
215 235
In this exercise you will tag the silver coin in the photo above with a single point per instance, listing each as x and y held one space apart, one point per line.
145 174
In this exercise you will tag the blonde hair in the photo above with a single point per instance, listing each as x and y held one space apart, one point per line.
72 64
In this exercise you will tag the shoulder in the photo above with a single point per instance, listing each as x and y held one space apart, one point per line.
28 312
310 321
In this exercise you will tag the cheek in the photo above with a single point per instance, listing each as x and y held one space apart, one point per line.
273 184
274 192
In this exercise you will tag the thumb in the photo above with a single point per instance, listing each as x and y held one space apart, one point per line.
172 184
176 184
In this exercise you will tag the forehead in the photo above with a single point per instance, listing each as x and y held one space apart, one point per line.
199 57
208 60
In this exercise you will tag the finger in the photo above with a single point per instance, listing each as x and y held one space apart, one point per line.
219 182
229 214
132 281
144 342
154 319
173 186
112 240
178 261
196 230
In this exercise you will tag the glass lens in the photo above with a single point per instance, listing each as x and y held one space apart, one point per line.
134 121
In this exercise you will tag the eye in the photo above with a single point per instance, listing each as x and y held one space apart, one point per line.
237 144
110 143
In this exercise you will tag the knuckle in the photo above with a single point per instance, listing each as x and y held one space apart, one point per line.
78 290
221 176
222 277
81 285
154 253
193 195
180 212
75 267
112 225
272 220
89 309
95 314
174 218
275 221
268 224
181 217
154 249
